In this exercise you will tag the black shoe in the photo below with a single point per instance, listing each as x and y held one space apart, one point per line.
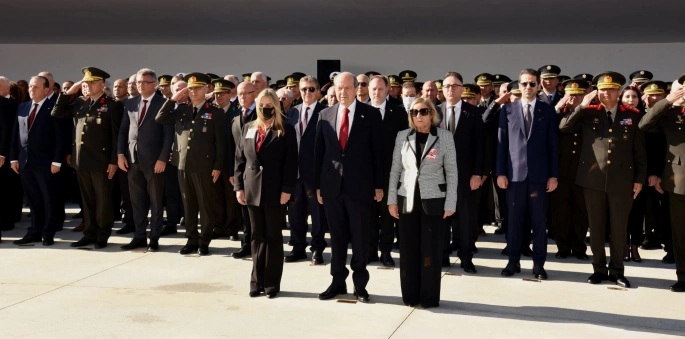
669 258
562 254
128 228
317 258
100 245
290 243
183 221
81 243
504 251
188 249
597 278
272 295
512 267
361 294
204 250
242 253
168 230
474 249
526 251
135 243
295 256
333 291
386 260
469 267
48 242
256 293
678 287
216 235
446 261
650 245
539 272
620 280
154 246
234 237
581 256
26 240
499 231
373 256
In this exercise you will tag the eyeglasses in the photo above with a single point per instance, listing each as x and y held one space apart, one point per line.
242 94
530 83
423 111
310 89
451 87
145 82
363 84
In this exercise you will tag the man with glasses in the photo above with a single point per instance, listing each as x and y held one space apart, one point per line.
363 88
465 123
528 168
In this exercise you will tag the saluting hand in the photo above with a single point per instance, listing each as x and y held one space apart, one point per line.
74 88
504 99
215 175
394 211
502 182
587 99
180 96
675 95
285 197
562 103
636 188
240 196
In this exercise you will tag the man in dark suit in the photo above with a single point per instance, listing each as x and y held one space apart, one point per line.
246 97
11 199
303 201
549 80
98 118
395 119
143 152
465 123
199 151
613 166
37 152
348 173
528 168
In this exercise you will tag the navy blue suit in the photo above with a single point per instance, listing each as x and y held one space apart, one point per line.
35 150
527 161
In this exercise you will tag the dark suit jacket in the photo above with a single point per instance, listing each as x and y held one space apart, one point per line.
394 121
305 152
237 130
469 140
490 125
229 159
44 144
264 175
205 135
570 147
534 158
8 115
543 97
361 160
152 141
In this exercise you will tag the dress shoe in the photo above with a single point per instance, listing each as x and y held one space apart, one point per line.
317 258
290 242
626 253
154 246
634 254
128 228
446 261
295 256
256 293
504 251
361 294
78 215
333 291
581 256
526 251
217 235
100 245
511 268
620 280
26 240
272 295
188 249
386 260
234 237
650 245
499 231
242 253
79 228
373 257
678 287
135 243
668 258
469 267
562 254
183 221
597 278
81 243
474 249
48 242
168 230
539 272
203 250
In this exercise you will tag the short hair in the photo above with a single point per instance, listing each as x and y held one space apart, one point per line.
260 74
454 74
232 78
311 79
47 75
5 80
329 90
385 79
408 85
435 119
285 91
530 71
40 77
147 71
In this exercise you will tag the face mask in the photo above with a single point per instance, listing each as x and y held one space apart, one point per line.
408 101
267 112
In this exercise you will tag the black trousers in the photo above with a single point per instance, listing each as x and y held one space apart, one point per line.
229 218
658 218
491 204
303 202
569 216
65 185
348 220
527 199
677 204
11 199
96 193
636 219
172 196
421 241
147 191
500 199
40 187
267 248
199 196
381 226
247 227
125 192
462 223
618 205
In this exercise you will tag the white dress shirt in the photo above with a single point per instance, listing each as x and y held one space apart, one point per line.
140 105
457 114
350 118
532 108
40 104
382 109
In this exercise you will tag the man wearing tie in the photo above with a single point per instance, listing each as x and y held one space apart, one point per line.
37 152
484 80
528 168
549 78
348 173
11 199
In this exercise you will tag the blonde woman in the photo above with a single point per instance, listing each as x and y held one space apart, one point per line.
265 175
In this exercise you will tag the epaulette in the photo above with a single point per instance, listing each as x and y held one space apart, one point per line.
624 108
597 107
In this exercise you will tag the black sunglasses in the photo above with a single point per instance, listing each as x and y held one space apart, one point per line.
363 84
531 84
305 89
423 111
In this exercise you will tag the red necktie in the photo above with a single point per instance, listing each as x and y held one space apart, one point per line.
262 135
142 113
344 128
32 116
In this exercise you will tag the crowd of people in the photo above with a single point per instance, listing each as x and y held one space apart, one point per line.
377 161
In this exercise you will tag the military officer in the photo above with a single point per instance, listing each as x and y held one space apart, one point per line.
165 85
484 80
94 151
638 78
395 91
471 94
549 81
199 153
498 80
613 165
560 86
407 76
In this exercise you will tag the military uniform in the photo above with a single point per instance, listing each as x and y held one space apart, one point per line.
94 148
549 72
485 79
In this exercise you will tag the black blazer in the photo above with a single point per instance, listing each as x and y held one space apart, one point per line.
153 140
469 140
8 115
264 175
46 141
362 159
229 159
236 131
544 98
394 121
306 148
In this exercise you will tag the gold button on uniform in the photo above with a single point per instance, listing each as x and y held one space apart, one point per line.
193 122
188 138
81 142
608 161
188 147
575 134
575 143
609 151
610 130
574 152
191 129
609 140
84 124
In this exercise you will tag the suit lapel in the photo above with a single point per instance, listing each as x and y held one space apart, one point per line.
432 139
443 120
313 118
152 107
357 124
517 112
411 139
